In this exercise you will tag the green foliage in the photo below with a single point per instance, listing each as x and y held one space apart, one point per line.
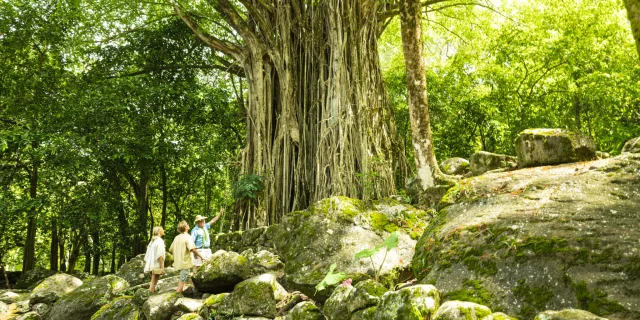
248 188
389 243
331 278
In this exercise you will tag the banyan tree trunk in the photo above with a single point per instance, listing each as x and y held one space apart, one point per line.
318 118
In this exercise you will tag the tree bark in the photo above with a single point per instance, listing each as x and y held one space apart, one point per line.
633 12
140 189
412 45
113 258
29 257
95 236
63 256
53 257
163 219
318 118
87 255
76 243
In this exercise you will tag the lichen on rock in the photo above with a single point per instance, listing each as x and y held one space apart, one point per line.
418 302
538 147
461 310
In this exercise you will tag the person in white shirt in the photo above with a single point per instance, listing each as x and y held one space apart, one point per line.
154 258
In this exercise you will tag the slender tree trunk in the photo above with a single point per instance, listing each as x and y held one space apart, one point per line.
412 45
76 243
95 236
113 258
140 192
87 255
4 272
29 258
633 12
577 110
53 257
63 254
163 219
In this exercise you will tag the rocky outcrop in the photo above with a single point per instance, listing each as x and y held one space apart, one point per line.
188 305
347 300
9 297
412 303
539 147
632 146
133 271
540 238
256 297
461 310
483 161
30 279
122 308
305 310
333 229
87 299
53 288
567 314
160 306
455 166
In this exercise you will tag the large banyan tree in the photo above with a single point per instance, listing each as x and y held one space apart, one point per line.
318 119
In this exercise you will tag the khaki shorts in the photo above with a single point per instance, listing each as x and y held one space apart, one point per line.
205 253
184 275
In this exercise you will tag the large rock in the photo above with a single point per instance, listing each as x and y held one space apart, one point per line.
483 161
632 146
188 305
256 297
9 297
4 309
498 316
221 272
190 316
418 302
87 299
211 304
53 288
122 308
161 306
347 300
261 262
539 147
41 308
568 314
30 279
333 229
305 310
455 166
543 238
133 271
29 316
337 306
461 310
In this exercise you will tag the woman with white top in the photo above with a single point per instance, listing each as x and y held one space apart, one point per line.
154 258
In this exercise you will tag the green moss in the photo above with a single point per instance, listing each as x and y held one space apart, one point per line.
380 222
473 291
534 299
595 302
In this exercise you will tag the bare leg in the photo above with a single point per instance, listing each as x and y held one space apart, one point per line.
154 281
180 287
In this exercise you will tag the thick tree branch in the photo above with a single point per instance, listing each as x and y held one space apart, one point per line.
237 22
394 9
258 18
225 47
226 67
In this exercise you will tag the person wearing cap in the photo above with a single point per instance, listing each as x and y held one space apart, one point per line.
200 236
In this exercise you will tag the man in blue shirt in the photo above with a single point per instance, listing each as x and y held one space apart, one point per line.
200 236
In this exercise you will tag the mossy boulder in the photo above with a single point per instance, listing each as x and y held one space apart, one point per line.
188 305
418 302
221 272
305 310
257 297
4 309
568 314
333 229
261 262
455 166
347 300
461 310
542 238
9 297
88 298
540 147
30 279
498 316
53 288
337 306
29 316
122 308
632 146
483 161
160 306
191 316
41 308
133 271
366 314
211 304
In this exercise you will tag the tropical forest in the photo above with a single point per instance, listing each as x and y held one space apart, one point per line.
320 159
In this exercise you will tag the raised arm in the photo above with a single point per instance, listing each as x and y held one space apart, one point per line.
217 217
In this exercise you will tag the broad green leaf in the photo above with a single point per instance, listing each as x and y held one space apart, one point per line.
331 278
366 253
391 242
